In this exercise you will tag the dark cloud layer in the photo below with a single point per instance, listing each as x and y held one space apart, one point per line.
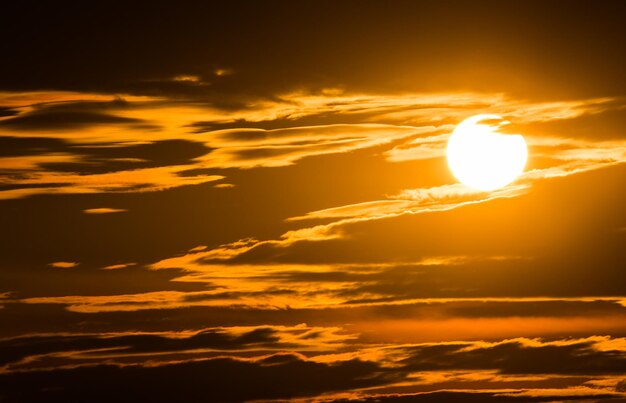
62 120
263 377
96 158
476 397
517 357
220 379
19 348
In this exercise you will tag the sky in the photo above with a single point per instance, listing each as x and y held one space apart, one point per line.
235 201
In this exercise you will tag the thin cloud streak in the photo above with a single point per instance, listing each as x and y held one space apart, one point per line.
64 265
104 210
46 351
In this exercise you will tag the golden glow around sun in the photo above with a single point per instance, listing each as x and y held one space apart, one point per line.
482 158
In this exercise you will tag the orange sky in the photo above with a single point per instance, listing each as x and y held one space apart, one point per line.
236 201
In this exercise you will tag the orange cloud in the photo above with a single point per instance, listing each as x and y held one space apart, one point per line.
64 265
118 266
103 210
137 180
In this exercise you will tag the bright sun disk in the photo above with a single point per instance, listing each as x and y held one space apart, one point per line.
482 158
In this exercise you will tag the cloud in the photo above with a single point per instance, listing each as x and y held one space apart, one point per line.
187 78
420 109
137 180
3 297
441 283
572 368
247 148
400 321
419 149
118 266
64 265
477 396
103 210
413 201
13 146
522 356
37 352
220 379
63 167
67 120
27 100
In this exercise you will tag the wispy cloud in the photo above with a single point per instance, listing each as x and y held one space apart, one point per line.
66 349
138 180
118 266
103 210
64 265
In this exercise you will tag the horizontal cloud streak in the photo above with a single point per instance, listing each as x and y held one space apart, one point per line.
39 351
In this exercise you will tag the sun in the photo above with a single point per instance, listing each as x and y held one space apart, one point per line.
482 158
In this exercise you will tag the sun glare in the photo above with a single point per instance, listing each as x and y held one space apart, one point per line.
481 157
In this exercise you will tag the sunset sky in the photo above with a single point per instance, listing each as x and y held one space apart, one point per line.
229 201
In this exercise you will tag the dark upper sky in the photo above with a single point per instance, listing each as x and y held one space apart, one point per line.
544 49
240 200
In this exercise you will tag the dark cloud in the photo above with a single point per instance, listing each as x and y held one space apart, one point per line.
260 377
478 397
90 280
219 379
22 146
520 357
65 120
8 112
16 349
95 158
15 186
554 318
72 115
49 351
